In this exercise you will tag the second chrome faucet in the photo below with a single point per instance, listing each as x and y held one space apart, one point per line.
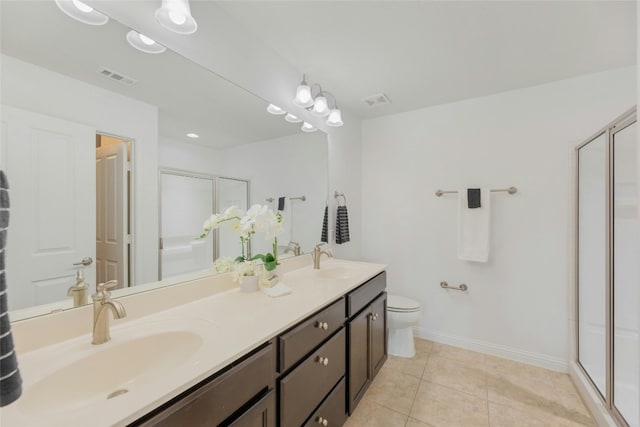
102 305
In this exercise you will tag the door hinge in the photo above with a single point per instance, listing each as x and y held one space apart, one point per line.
129 239
129 166
161 243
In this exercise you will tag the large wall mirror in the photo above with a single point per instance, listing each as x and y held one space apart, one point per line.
93 137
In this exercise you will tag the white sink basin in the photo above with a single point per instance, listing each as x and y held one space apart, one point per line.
111 370
335 272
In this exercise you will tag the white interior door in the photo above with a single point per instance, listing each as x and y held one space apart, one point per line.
111 210
50 165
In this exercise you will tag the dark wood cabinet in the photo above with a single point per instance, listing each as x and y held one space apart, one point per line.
261 414
367 338
332 411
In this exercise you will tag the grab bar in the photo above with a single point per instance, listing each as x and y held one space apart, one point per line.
462 287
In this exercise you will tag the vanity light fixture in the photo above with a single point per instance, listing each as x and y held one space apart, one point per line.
144 43
175 15
308 128
82 12
320 106
274 109
193 135
303 97
335 118
291 118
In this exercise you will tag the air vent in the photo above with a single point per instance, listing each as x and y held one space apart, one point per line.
377 100
117 76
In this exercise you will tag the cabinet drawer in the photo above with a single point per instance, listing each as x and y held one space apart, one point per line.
332 409
262 414
305 387
302 339
362 296
215 401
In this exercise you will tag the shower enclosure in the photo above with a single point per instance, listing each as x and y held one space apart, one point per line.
608 280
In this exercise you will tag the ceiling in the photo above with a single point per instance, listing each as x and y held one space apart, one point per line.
189 97
424 53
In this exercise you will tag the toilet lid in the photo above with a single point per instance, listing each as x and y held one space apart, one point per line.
398 303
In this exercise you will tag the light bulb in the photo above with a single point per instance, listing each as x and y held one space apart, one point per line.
291 118
146 40
274 109
320 107
82 7
335 118
303 97
177 17
308 127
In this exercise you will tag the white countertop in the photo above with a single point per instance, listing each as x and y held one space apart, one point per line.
231 324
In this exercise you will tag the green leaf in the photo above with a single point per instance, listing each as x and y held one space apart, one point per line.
239 259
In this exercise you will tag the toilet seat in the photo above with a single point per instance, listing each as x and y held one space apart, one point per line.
398 304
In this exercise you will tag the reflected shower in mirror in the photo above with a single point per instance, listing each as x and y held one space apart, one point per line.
68 91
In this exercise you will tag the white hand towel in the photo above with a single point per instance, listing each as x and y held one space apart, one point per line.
278 290
474 227
287 223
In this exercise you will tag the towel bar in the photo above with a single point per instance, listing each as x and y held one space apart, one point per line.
510 190
462 287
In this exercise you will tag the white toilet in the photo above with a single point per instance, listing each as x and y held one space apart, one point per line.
402 315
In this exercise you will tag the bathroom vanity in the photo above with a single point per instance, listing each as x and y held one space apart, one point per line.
302 359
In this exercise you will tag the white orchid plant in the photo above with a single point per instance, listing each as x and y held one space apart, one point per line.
259 218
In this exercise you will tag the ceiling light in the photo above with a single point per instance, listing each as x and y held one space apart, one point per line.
307 127
175 15
274 109
291 118
320 107
303 97
82 12
193 135
144 43
335 118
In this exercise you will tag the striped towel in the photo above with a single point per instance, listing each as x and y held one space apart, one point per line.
342 225
325 226
10 380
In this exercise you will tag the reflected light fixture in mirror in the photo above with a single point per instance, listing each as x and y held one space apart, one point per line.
144 43
82 12
175 15
291 118
308 128
274 109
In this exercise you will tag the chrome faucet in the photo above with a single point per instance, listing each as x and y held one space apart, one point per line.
317 253
293 247
102 304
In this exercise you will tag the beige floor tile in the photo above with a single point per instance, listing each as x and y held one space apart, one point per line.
412 422
505 416
456 375
414 366
549 392
394 389
422 345
443 407
459 354
370 414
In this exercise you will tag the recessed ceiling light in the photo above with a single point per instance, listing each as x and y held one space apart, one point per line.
82 12
144 43
193 135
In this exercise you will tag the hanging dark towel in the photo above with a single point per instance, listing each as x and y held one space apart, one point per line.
473 198
281 203
325 226
10 380
342 225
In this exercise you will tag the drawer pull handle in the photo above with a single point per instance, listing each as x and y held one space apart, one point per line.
374 316
322 325
322 421
323 360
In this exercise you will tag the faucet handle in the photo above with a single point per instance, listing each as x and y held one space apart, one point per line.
102 289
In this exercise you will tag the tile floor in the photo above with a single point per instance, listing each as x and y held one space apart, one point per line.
445 386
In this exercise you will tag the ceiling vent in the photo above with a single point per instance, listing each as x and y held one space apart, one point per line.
377 100
118 77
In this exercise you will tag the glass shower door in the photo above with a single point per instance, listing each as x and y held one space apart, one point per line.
626 280
592 256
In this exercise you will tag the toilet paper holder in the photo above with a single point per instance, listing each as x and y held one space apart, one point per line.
462 287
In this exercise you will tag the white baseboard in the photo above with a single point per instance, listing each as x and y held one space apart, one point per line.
505 352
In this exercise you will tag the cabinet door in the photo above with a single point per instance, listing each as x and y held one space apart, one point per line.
358 358
378 343
262 414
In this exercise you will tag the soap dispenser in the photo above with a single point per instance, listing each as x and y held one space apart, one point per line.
79 291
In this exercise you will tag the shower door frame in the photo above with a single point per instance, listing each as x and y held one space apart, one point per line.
617 125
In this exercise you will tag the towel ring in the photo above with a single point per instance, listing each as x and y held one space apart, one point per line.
338 195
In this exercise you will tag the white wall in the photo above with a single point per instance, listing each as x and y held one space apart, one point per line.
518 303
42 91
